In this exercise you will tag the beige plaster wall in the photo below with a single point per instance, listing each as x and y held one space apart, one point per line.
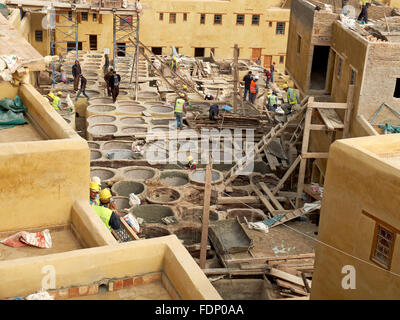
357 180
83 267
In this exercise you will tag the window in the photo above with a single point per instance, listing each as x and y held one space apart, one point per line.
353 76
121 49
93 42
199 52
94 17
39 35
339 71
240 19
397 89
270 24
281 59
382 248
298 43
161 17
71 45
172 18
70 15
84 16
156 50
213 51
202 18
280 28
125 20
185 17
255 19
217 19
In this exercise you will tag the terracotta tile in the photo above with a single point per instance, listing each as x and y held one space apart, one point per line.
73 292
128 282
63 293
111 286
83 291
53 293
152 277
137 281
94 289
118 285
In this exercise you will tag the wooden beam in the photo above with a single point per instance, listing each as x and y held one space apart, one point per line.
235 77
206 216
271 196
288 277
264 200
272 258
349 111
233 271
329 105
318 127
286 175
235 200
315 155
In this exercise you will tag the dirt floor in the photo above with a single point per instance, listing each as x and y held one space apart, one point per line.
25 132
63 240
150 291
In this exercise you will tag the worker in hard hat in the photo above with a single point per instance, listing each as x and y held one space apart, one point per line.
106 199
96 179
94 194
180 110
291 97
253 89
272 100
110 218
191 165
55 99
184 87
174 64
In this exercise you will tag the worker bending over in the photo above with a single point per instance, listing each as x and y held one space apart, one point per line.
179 110
213 111
106 200
54 99
174 64
94 194
291 97
191 165
110 218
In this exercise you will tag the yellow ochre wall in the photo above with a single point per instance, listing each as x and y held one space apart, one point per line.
357 179
190 34
40 180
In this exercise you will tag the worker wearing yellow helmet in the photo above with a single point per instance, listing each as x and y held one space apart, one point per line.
191 165
94 194
291 97
106 199
56 100
180 109
184 87
174 64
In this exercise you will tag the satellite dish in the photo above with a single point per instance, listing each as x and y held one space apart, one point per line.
349 11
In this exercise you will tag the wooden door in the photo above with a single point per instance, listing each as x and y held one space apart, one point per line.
255 54
267 61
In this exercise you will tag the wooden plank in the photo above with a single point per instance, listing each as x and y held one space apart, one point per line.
270 160
308 189
329 105
206 215
273 258
315 155
271 196
288 277
348 114
232 271
236 200
286 175
329 115
318 127
129 229
326 120
292 287
264 199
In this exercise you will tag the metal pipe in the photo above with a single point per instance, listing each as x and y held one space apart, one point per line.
114 39
137 56
76 34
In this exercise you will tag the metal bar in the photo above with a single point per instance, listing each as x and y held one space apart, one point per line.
206 215
76 35
114 39
137 56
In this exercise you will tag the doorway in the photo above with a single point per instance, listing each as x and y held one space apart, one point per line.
267 61
93 42
319 67
255 54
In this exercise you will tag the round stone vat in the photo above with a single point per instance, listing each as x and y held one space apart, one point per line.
92 93
189 235
101 100
163 122
132 120
250 214
101 108
100 119
138 173
123 93
95 154
102 129
199 176
161 109
103 173
163 196
125 188
91 82
174 178
122 202
134 130
159 129
195 214
131 108
154 232
129 102
237 193
93 145
91 74
148 95
119 154
152 213
111 145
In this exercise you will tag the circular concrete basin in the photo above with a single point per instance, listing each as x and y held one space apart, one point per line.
93 145
92 93
154 232
102 173
122 202
174 178
163 122
199 176
148 95
121 154
95 154
101 108
251 215
152 213
132 120
129 102
163 196
101 100
125 188
138 173
101 119
197 214
131 108
189 235
102 129
161 109
134 130
110 145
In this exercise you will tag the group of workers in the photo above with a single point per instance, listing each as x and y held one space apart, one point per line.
104 205
112 80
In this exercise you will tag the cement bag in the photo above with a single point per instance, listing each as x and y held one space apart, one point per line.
134 200
70 103
40 239
132 222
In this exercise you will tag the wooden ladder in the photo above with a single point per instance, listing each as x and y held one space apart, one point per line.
293 214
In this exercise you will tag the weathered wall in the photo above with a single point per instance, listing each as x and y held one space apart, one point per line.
83 267
40 180
357 180
301 23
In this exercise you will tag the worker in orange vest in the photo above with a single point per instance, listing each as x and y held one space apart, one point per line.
253 89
